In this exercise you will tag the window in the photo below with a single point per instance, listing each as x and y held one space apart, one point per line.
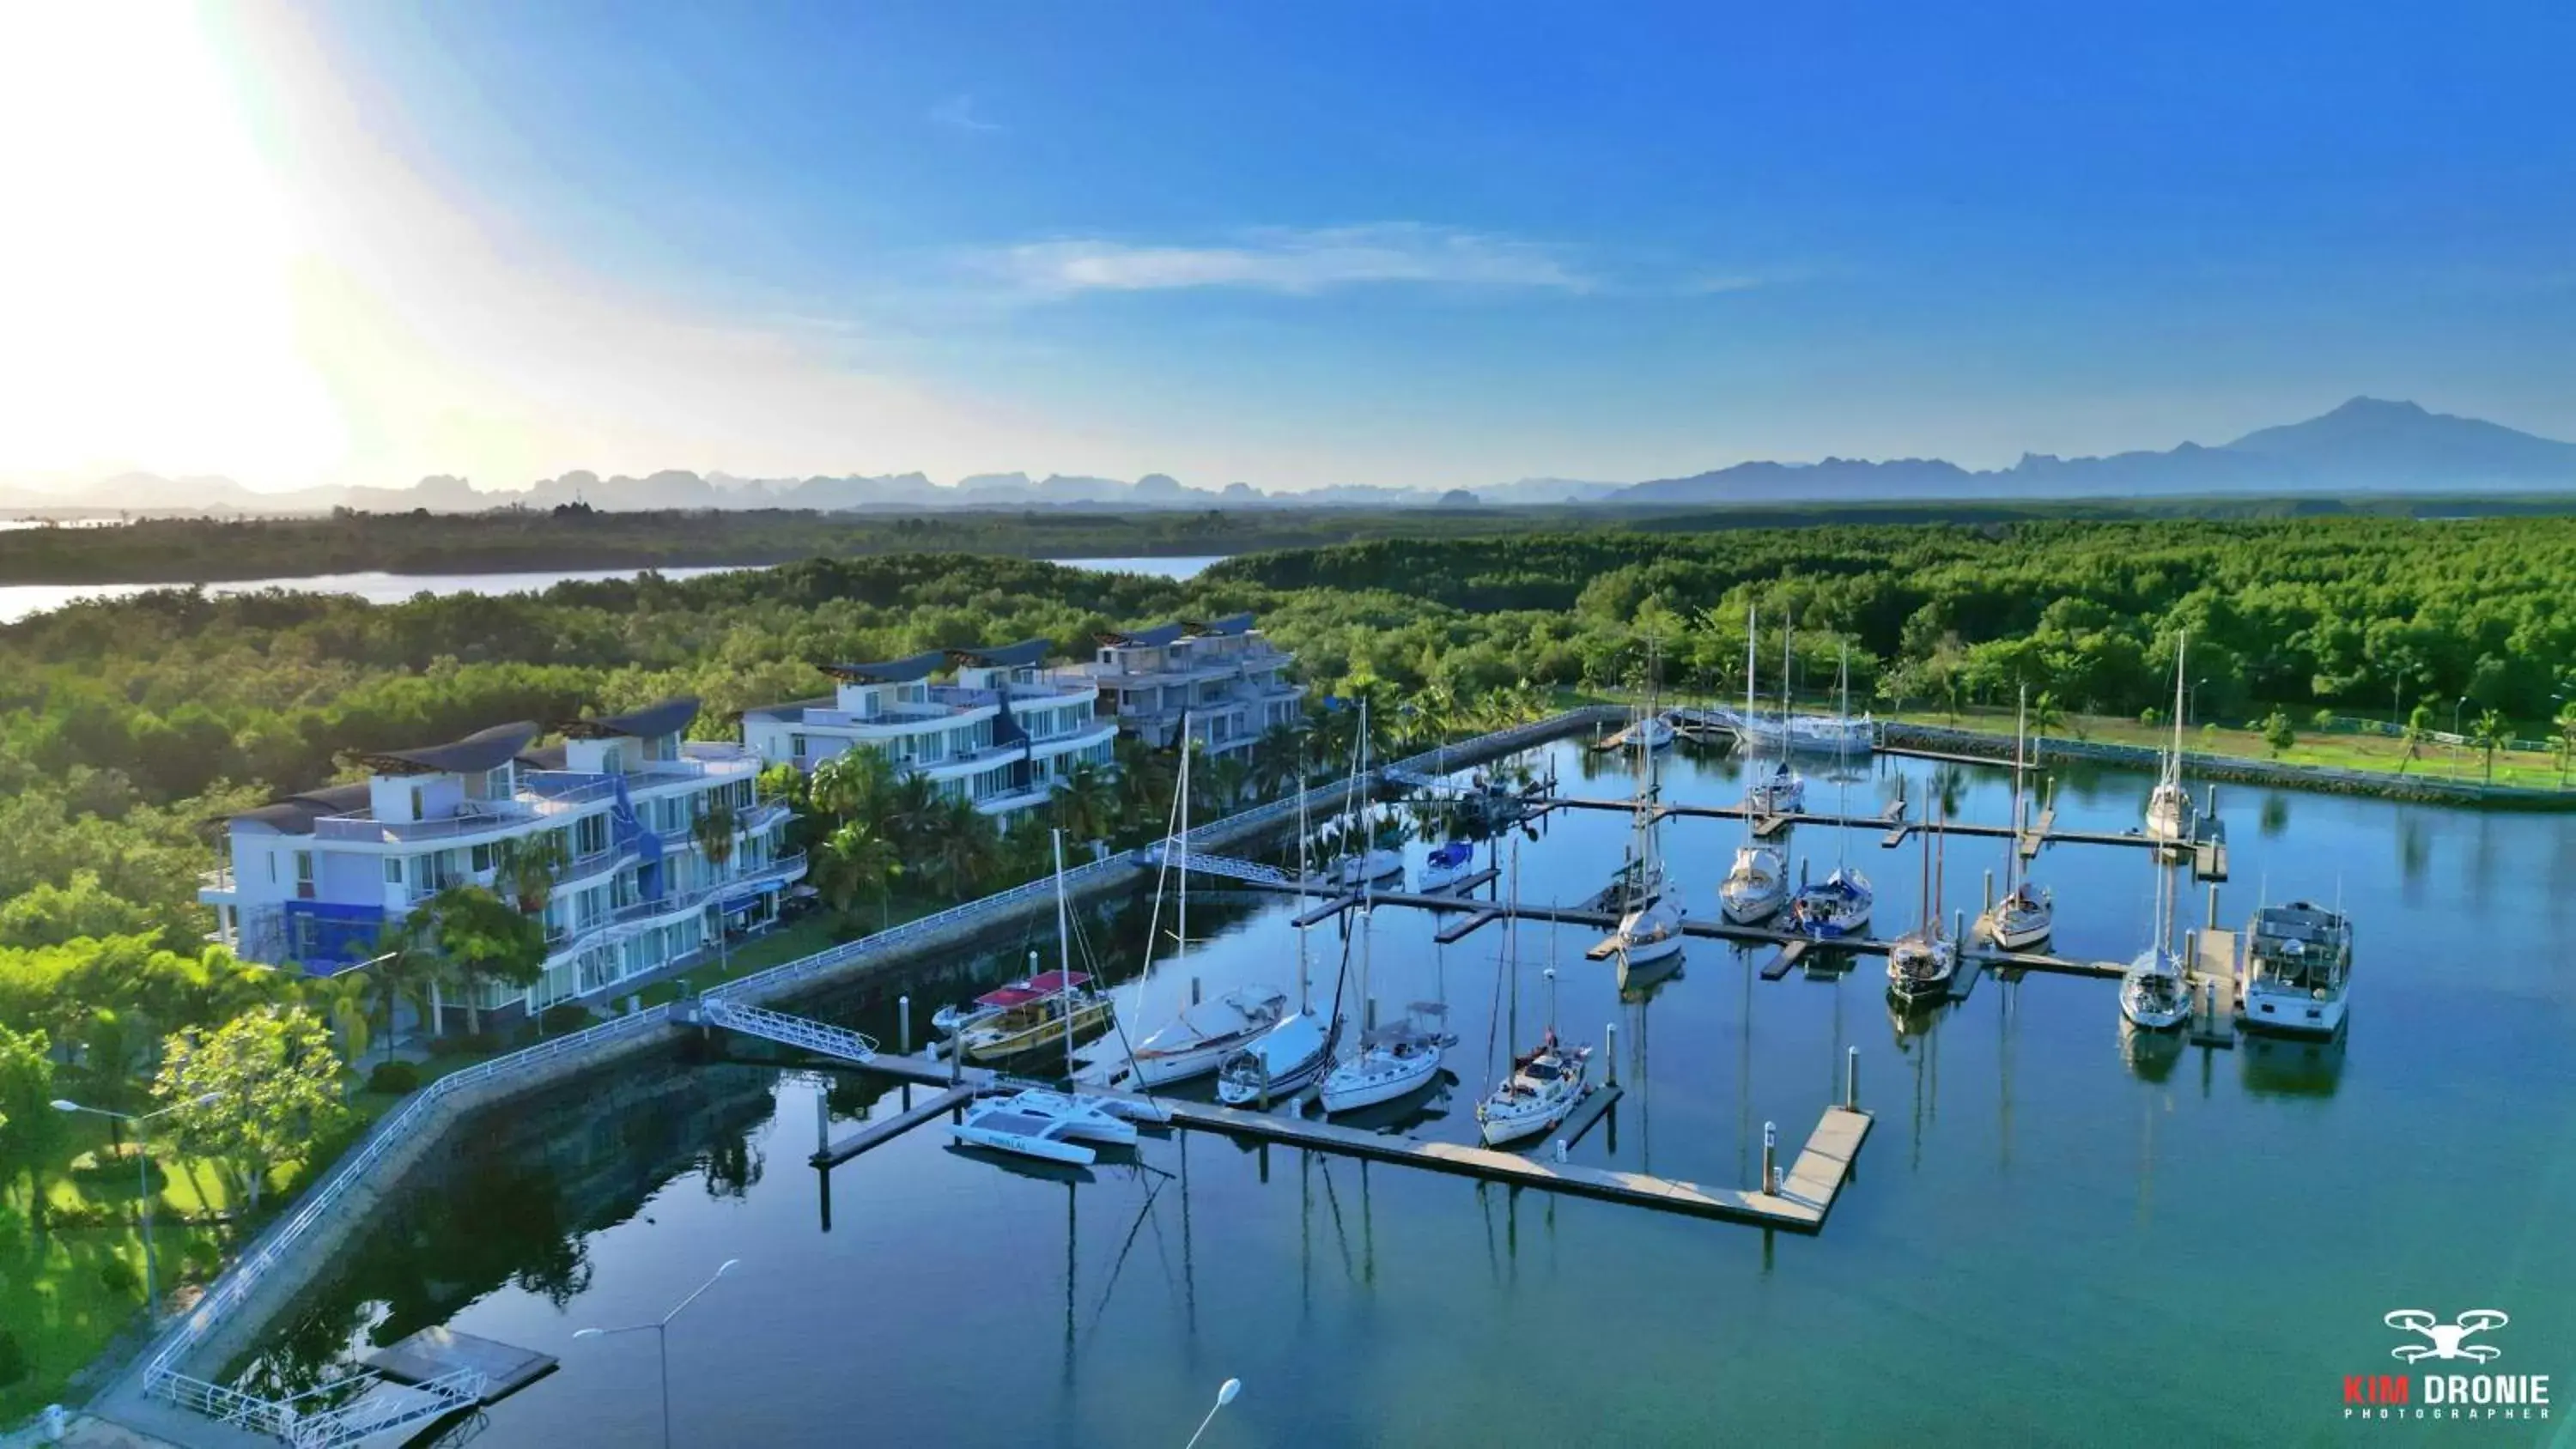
304 874
415 802
482 857
393 870
796 746
590 835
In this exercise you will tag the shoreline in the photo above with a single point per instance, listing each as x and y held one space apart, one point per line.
2236 769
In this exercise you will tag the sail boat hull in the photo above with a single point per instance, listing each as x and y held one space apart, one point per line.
1379 1077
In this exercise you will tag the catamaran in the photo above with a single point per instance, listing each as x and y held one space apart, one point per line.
1839 906
1546 1081
2169 808
2027 913
1757 884
1921 962
2153 996
1200 1039
1055 1126
2302 961
1392 1061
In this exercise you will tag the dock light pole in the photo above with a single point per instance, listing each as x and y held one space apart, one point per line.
142 1180
2191 701
662 1338
1224 1395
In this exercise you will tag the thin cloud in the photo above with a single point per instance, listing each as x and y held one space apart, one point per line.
958 114
1295 262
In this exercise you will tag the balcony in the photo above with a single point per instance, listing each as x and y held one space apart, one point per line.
474 817
216 886
626 920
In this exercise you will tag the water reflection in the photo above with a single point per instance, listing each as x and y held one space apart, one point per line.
2284 1066
2150 1054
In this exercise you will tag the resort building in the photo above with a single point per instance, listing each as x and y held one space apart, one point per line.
316 878
1000 732
1230 680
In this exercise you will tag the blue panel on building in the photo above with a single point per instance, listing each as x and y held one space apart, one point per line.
326 937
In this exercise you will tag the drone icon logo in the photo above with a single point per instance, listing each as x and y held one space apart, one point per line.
2445 1338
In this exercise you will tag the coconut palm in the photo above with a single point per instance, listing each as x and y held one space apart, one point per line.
852 784
1276 760
2491 733
1226 776
342 1001
529 866
404 969
963 848
853 861
1086 802
714 832
2419 728
2566 723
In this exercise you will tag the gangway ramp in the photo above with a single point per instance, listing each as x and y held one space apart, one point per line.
814 1036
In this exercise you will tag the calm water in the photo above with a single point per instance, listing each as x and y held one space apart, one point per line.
2051 1240
17 601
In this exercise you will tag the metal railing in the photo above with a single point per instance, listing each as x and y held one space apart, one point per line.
795 1031
162 1376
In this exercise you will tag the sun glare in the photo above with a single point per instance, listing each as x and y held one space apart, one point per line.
147 271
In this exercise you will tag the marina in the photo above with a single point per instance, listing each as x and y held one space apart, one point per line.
2017 1141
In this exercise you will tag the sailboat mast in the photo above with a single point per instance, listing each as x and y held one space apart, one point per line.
2182 650
1305 875
1842 749
1180 955
1063 953
1752 629
1512 952
2012 842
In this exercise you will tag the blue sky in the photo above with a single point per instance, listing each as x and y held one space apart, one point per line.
1410 244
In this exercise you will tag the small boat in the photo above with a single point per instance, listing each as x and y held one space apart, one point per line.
1371 862
2152 994
1447 865
2301 956
2170 816
1050 1009
1279 1063
1650 911
1782 792
1655 731
1365 867
1393 1061
1544 1083
1755 888
1921 962
959 1015
1834 908
2027 914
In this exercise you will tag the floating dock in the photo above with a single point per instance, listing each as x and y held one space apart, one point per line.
435 1353
885 1130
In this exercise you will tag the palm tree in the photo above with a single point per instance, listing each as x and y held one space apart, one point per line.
1086 802
342 1001
1226 776
2419 728
482 939
2491 733
714 831
403 970
528 867
963 847
1275 761
911 814
2046 713
855 860
851 784
2566 723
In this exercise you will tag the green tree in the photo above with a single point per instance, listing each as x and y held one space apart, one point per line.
853 861
2490 733
2046 713
254 1093
404 969
343 1001
528 868
852 785
2419 728
2278 733
31 1131
963 849
2566 724
714 831
482 940
1086 803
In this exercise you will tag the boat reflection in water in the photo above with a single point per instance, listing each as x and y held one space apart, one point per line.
1911 1017
2150 1054
2288 1066
1640 980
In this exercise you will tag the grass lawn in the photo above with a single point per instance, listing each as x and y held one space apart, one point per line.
2334 751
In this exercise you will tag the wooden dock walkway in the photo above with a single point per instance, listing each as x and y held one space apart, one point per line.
887 1129
1457 931
2208 854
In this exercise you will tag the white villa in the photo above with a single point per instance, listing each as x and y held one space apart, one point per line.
1001 732
315 878
1227 676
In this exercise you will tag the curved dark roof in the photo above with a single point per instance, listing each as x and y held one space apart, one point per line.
891 671
479 751
1008 656
670 717
1160 634
295 814
1230 624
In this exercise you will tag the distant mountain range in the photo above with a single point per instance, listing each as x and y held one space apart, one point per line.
2364 446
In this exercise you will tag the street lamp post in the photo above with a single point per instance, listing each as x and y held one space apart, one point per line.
142 1181
2191 701
662 1339
1224 1395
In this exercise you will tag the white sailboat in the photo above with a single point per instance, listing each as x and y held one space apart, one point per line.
2027 914
1288 1057
1054 1126
2169 808
1840 905
1921 962
1199 1040
1650 921
1783 791
1757 884
1370 862
1544 1083
2301 956
2153 996
1392 1061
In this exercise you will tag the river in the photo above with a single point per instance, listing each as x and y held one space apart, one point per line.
18 601
2052 1237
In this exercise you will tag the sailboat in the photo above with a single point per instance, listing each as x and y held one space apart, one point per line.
2152 994
1370 861
1054 1126
1650 923
1293 1053
1546 1081
2027 913
1784 790
1757 884
1392 1061
1921 962
2169 808
1200 1039
1840 906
